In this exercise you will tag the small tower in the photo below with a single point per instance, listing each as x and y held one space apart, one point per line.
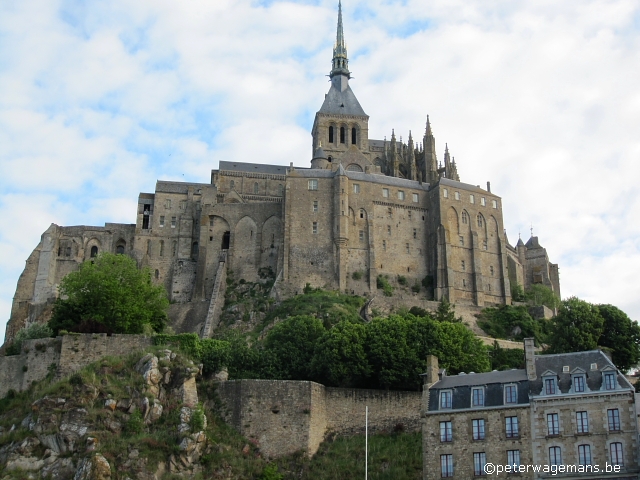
411 159
430 164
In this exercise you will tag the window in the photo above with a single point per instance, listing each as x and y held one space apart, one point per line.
315 206
578 383
162 248
157 274
256 188
491 270
463 266
472 199
461 238
511 427
280 189
173 222
513 458
314 227
446 432
457 195
445 399
94 251
555 456
477 426
384 245
465 217
361 213
446 466
483 201
609 381
183 204
479 463
343 135
464 282
480 222
445 193
408 248
388 229
549 386
167 203
553 425
385 192
582 422
400 195
415 233
584 454
161 221
356 188
232 185
615 453
119 250
477 397
211 221
313 184
510 394
494 204
330 134
613 416
415 197
361 235
353 135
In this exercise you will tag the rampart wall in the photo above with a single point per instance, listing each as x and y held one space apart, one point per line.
284 416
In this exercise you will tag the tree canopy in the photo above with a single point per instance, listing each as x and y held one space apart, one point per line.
621 335
577 327
109 294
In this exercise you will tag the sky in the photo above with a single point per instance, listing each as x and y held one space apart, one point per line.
100 99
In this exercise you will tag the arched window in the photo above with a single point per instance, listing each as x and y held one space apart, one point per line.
330 134
353 136
232 185
120 249
343 135
480 220
256 188
330 159
94 251
465 217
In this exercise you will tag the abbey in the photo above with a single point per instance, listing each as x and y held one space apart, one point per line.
362 208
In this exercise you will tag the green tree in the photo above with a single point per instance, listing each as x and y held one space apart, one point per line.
539 294
292 343
577 327
109 294
505 358
446 312
621 335
511 322
340 358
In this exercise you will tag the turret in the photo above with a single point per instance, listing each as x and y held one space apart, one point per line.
320 159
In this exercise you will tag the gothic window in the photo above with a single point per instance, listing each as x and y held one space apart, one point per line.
256 188
408 248
485 245
343 134
353 136
388 229
461 238
491 270
409 214
480 222
120 249
330 134
94 251
232 185
211 221
465 218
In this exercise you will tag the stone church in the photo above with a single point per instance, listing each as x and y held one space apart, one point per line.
364 206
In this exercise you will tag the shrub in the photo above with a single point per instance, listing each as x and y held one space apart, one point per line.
135 424
197 419
270 472
383 284
416 287
402 280
36 330
356 275
76 379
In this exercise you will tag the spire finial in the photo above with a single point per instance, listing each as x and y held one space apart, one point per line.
446 148
340 61
428 130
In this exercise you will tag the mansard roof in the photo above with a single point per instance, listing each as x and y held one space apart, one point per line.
575 361
503 376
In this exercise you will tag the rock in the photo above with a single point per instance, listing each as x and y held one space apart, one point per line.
221 376
92 444
144 407
187 392
124 404
134 453
113 425
74 423
155 412
18 462
110 404
167 378
93 468
58 469
246 449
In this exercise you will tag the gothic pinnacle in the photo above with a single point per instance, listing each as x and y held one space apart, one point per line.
340 61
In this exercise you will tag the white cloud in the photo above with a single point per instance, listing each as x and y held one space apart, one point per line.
99 100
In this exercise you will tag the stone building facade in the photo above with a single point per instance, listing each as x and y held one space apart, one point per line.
377 207
573 415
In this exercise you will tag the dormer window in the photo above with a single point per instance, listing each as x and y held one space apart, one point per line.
445 399
550 386
609 381
477 397
510 394
578 383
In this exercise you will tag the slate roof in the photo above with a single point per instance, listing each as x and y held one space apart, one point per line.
581 360
343 102
504 376
177 187
452 183
253 167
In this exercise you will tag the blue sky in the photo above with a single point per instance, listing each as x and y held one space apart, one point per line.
98 100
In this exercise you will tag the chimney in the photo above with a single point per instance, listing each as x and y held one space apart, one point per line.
529 357
432 370
489 187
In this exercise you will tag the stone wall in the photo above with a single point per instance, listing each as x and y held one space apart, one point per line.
284 416
62 356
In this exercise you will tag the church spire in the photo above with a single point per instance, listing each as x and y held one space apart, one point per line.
340 61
